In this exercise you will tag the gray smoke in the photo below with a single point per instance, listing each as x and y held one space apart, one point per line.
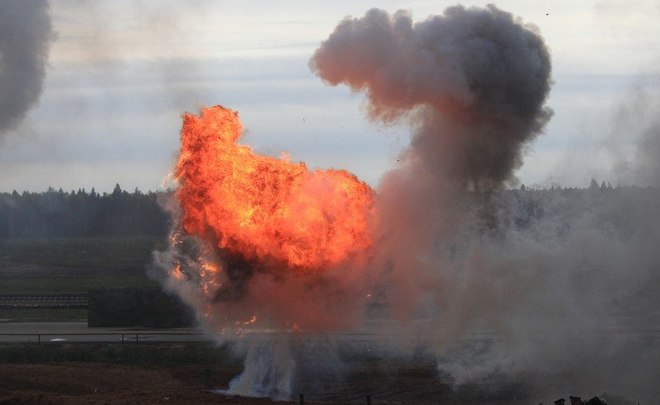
553 287
472 81
636 121
25 36
564 291
472 84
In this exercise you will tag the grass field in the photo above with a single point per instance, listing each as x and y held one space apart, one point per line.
57 282
71 265
80 373
172 373
44 315
106 253
146 354
74 265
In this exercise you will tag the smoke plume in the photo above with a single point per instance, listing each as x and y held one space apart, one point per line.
472 84
556 281
471 81
25 35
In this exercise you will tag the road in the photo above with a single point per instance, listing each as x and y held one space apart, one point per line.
372 330
79 332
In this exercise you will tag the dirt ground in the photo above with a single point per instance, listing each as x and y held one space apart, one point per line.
112 384
84 383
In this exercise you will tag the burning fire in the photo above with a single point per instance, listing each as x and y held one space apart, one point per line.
276 215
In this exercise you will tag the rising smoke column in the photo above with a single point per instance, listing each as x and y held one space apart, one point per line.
273 241
25 35
565 293
472 83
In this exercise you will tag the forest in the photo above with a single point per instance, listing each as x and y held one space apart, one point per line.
56 213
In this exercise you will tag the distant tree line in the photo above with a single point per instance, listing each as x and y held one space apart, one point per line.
81 214
120 213
615 207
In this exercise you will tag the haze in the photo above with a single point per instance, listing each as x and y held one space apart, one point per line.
120 74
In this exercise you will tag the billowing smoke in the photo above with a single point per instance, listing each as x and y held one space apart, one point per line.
471 81
25 35
558 280
543 289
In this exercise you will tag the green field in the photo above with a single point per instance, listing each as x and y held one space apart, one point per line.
71 265
146 354
74 265
44 315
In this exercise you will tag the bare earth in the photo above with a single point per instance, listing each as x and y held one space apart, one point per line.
84 383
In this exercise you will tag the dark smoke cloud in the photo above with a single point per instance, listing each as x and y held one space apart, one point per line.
25 35
473 81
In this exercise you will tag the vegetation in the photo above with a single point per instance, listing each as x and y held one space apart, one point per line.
74 265
113 254
70 242
44 314
133 307
144 354
81 214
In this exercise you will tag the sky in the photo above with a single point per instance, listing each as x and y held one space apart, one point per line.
120 74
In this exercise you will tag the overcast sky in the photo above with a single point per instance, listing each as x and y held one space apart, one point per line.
121 73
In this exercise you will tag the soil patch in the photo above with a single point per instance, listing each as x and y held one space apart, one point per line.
84 383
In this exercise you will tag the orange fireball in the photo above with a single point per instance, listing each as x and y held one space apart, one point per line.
269 211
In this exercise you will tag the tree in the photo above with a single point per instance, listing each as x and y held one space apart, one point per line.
117 190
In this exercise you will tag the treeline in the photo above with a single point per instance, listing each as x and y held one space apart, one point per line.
120 213
81 214
615 209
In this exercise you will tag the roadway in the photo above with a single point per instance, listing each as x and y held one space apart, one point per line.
42 332
378 330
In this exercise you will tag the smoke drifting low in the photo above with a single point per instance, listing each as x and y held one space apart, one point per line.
25 35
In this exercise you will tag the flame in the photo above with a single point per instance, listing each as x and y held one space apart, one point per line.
273 213
176 273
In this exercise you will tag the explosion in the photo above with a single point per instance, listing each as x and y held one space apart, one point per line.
263 241
276 215
291 246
